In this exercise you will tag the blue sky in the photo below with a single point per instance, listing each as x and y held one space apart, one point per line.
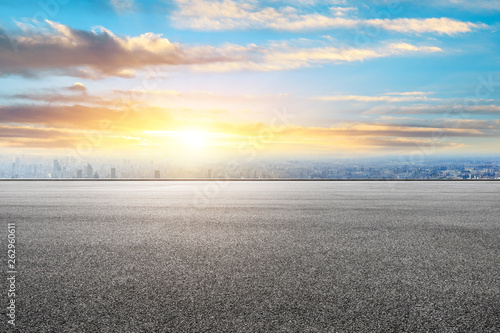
356 77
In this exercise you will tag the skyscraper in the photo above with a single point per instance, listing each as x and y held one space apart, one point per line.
90 171
56 170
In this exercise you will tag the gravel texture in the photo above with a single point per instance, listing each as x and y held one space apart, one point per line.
254 256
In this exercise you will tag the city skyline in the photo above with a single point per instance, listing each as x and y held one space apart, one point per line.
394 168
218 79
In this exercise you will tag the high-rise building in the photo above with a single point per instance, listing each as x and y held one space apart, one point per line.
113 172
89 171
56 170
79 174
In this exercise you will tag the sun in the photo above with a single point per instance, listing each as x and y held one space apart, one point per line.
188 141
191 138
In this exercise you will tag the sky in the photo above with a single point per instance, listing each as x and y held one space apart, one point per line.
303 78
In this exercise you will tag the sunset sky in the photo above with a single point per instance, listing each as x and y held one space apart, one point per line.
215 78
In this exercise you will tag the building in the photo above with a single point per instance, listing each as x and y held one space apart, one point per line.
88 171
56 170
113 172
157 174
79 174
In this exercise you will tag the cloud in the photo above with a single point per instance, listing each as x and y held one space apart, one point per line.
409 93
342 11
407 143
453 108
84 117
200 96
117 98
286 57
332 54
34 137
66 51
443 25
64 126
389 97
31 132
469 5
380 130
79 87
55 98
77 93
356 135
80 53
230 15
445 122
469 124
122 6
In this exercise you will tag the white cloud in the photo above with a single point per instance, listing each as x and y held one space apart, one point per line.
284 57
385 98
229 15
122 6
469 5
409 93
454 107
441 25
341 11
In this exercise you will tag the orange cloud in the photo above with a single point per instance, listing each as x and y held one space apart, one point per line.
138 125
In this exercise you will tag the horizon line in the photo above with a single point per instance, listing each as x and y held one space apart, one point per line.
239 179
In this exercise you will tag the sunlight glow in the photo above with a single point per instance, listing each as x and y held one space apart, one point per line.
192 138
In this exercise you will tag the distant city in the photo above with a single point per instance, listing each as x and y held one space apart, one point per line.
23 167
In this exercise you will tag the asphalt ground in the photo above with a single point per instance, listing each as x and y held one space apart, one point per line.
253 256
